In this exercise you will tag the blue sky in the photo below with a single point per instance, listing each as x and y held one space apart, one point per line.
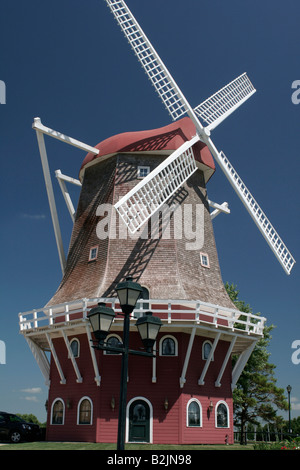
68 63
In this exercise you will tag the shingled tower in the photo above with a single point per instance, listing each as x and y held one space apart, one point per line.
180 263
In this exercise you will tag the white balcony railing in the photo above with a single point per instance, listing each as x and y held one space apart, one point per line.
170 312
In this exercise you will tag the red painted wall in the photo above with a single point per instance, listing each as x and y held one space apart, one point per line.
168 426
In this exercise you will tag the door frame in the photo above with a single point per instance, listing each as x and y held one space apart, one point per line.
150 417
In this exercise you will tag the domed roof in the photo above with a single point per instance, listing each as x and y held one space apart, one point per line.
163 140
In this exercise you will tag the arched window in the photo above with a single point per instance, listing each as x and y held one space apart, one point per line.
168 346
74 344
206 348
58 412
85 411
194 413
222 415
113 341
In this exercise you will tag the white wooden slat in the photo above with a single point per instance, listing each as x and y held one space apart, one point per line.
157 72
139 204
217 107
212 111
266 228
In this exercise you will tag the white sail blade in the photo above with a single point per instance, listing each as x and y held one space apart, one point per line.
266 228
220 105
139 204
157 72
142 201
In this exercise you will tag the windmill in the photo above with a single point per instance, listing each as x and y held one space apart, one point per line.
202 327
139 204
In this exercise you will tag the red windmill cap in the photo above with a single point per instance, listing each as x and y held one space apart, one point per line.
163 140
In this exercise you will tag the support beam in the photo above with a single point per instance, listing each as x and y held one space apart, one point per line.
41 359
218 208
240 363
55 357
93 355
209 359
182 379
71 355
38 126
154 365
51 199
66 194
66 178
40 131
226 359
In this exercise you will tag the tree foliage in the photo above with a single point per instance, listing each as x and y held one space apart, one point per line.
295 425
29 418
256 394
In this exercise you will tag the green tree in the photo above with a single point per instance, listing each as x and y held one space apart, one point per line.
256 394
29 418
295 426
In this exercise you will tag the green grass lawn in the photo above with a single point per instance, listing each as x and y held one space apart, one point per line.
112 447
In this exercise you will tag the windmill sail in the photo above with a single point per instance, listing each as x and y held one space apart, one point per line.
218 106
139 204
157 72
268 231
213 111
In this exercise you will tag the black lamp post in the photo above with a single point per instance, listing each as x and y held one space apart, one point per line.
101 318
289 389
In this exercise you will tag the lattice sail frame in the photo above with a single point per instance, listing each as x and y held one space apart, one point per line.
213 111
139 204
161 79
218 106
266 228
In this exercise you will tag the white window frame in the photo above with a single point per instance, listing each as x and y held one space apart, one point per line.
64 409
204 256
203 345
78 342
78 411
161 346
111 353
222 402
187 413
96 247
141 168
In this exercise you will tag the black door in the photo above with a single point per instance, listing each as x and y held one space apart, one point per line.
139 421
